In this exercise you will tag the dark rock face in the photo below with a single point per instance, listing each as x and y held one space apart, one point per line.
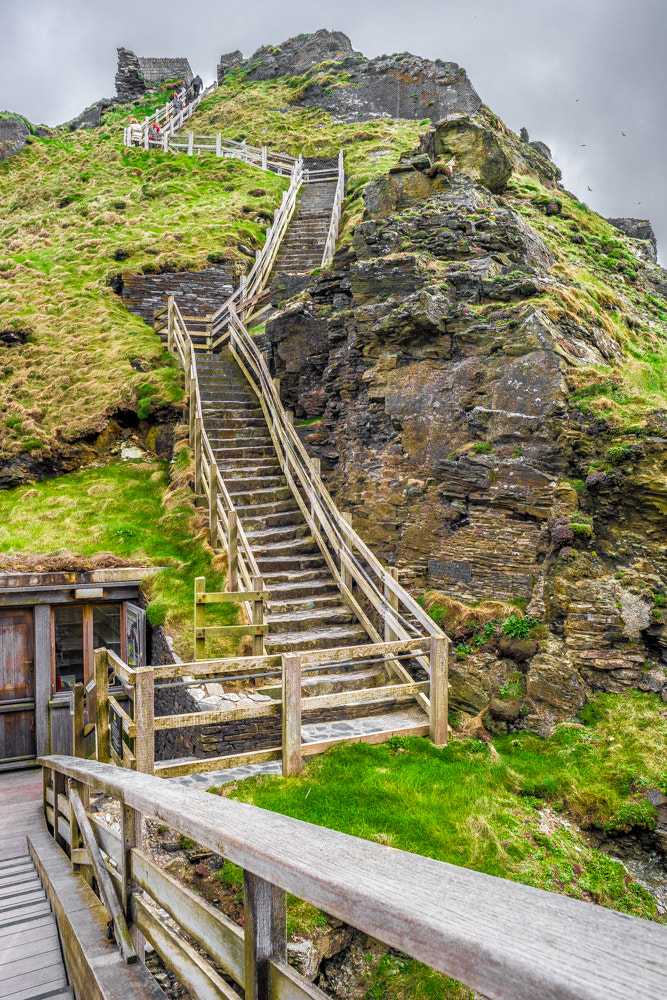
298 54
90 117
638 229
441 378
13 135
137 74
396 86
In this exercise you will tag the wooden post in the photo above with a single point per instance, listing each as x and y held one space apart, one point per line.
77 720
232 552
77 847
144 719
106 886
438 690
59 789
392 600
191 143
265 933
344 571
265 158
316 468
258 616
200 641
291 714
213 504
165 141
197 451
102 706
146 142
218 144
170 324
129 824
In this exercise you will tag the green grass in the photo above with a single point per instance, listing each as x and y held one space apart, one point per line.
126 509
76 210
516 809
602 290
264 113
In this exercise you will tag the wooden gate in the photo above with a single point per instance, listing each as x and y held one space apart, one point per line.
17 689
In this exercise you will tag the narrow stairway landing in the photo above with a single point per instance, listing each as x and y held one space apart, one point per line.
31 964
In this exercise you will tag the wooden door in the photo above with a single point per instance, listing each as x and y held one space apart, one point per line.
17 688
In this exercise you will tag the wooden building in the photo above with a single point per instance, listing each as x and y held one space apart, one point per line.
50 624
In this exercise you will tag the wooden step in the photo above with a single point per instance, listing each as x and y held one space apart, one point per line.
330 638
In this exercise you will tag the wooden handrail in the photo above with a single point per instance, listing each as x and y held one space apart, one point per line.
243 300
208 477
505 940
336 212
321 512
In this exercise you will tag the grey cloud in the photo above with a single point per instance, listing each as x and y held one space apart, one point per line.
577 74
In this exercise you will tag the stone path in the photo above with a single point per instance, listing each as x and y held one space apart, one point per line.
337 730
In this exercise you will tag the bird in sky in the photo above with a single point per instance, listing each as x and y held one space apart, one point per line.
623 133
589 187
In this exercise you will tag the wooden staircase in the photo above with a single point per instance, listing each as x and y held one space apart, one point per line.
305 610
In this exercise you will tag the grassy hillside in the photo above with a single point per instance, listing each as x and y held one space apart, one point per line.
262 112
77 209
125 509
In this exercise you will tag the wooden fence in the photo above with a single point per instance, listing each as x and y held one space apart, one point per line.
505 940
170 120
125 736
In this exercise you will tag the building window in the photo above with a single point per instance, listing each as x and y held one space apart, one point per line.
79 630
106 627
68 627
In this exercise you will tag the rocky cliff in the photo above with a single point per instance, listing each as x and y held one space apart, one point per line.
484 366
357 88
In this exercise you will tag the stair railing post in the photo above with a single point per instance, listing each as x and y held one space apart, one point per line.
344 571
391 599
315 470
144 720
198 451
258 615
439 690
191 143
170 324
218 144
165 141
78 695
265 158
213 504
232 552
199 622
291 714
265 934
102 706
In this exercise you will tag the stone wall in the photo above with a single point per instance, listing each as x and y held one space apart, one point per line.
197 293
137 74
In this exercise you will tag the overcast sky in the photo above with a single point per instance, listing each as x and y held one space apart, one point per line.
577 73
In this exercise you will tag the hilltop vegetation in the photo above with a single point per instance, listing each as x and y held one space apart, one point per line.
263 112
77 210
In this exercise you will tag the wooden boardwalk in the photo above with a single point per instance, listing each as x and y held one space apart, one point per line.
31 964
